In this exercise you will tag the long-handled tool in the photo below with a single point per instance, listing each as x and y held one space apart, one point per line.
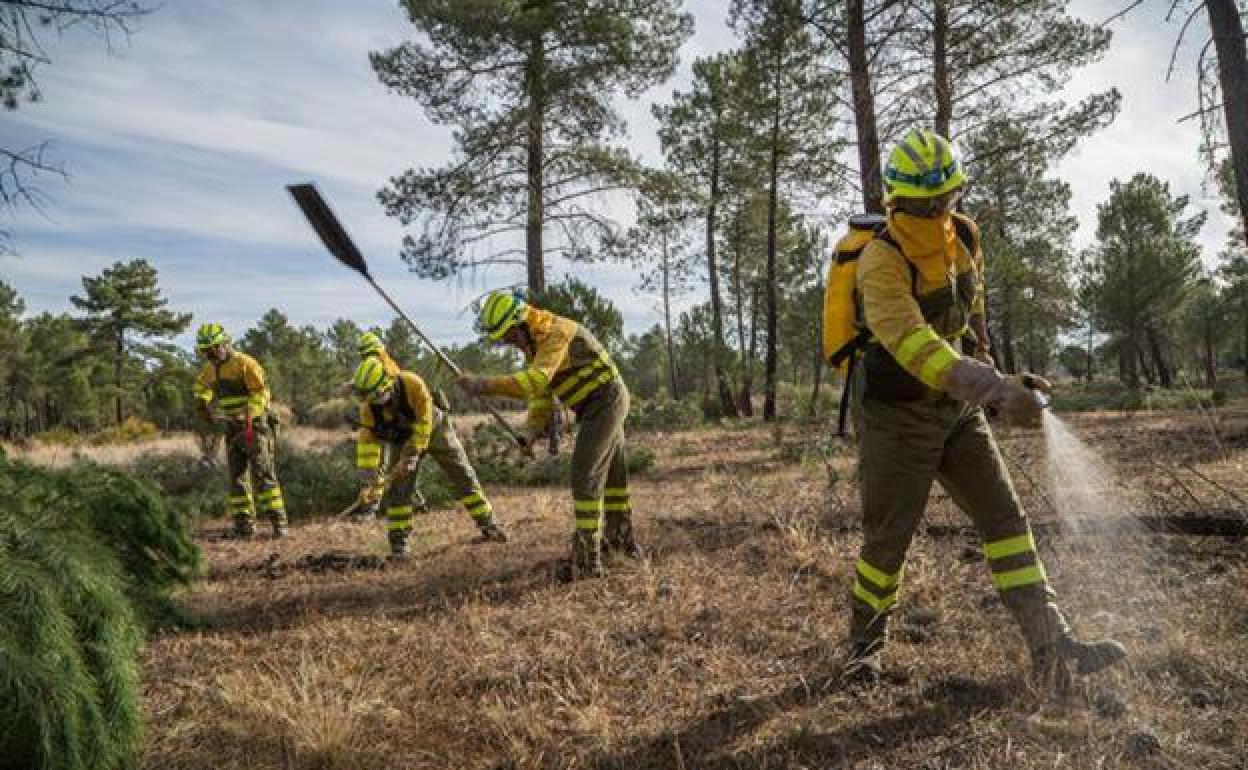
343 248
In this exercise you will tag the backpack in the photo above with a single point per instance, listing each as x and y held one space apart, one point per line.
844 332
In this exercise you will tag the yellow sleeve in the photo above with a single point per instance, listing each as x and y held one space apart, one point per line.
253 378
534 381
204 381
421 402
367 447
894 318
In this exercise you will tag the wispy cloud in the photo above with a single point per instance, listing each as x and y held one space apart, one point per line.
180 144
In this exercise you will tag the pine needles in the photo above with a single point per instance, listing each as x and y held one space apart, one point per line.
86 555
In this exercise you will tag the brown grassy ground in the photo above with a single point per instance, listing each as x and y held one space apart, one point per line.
722 649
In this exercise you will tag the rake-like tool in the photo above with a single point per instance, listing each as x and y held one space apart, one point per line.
343 248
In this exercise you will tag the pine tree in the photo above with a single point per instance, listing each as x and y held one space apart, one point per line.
792 103
659 245
1140 270
1025 229
528 88
699 131
123 309
981 55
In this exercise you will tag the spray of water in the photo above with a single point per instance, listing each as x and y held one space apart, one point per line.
1106 561
1084 489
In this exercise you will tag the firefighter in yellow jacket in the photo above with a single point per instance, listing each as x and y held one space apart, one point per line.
567 363
922 376
398 418
230 388
369 345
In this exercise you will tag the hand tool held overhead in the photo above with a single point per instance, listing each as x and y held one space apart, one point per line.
336 240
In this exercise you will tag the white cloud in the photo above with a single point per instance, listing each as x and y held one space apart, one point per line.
180 144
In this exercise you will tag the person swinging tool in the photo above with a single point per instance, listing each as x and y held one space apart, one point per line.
566 361
234 383
922 375
398 417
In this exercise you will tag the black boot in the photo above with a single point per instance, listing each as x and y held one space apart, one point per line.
1090 657
490 533
863 667
618 538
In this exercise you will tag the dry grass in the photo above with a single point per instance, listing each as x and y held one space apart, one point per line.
722 649
58 456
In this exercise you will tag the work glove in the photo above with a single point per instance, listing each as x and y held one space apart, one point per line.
1013 397
1016 399
471 384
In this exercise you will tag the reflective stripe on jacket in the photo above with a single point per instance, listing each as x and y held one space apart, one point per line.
569 363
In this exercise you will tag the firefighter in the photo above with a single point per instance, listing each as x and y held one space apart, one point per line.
918 392
230 389
567 363
369 345
398 418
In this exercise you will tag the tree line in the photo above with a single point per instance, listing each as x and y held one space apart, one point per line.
765 152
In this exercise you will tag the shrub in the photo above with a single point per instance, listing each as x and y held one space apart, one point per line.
662 412
1096 396
151 539
79 549
59 437
131 430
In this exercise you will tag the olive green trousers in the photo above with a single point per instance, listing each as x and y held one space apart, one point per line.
903 448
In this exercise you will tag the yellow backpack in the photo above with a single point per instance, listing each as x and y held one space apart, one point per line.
844 333
840 328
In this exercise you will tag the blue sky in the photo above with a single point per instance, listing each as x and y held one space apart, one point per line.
179 143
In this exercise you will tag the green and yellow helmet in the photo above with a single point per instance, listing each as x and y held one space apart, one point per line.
369 342
922 165
500 311
370 379
209 336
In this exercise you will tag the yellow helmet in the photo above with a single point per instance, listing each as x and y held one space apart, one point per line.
370 379
369 342
922 165
210 335
500 311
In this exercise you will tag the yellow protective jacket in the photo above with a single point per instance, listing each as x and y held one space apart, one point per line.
918 285
233 386
407 420
568 363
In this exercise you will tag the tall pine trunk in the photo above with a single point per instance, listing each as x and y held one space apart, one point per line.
744 407
1210 355
1158 356
1228 39
747 382
940 67
773 199
864 108
727 407
535 72
667 321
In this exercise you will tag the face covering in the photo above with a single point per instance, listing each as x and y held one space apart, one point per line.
930 243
